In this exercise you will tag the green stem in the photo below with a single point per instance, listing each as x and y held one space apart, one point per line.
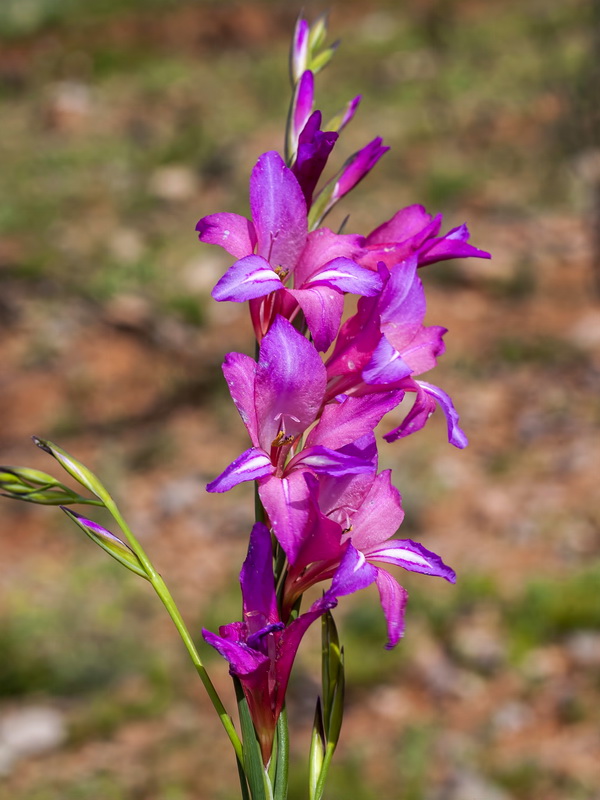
162 591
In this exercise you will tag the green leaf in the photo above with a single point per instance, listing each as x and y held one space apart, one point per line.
330 665
337 705
253 763
283 758
34 486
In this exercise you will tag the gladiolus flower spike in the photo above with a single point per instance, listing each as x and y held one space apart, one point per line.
310 401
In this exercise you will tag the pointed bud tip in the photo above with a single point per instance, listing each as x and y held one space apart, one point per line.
42 444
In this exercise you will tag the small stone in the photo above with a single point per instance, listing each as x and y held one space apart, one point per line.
511 717
583 647
126 245
467 785
173 183
28 732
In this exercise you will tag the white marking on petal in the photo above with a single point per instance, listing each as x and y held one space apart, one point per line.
329 274
256 461
263 275
403 555
361 561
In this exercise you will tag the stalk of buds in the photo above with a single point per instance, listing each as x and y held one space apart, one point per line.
310 402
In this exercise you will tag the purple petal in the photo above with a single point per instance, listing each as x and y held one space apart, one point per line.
393 602
357 167
343 423
386 365
379 514
278 210
290 383
456 435
257 582
250 466
314 148
248 278
240 373
299 52
353 574
244 660
303 103
425 404
349 112
453 245
323 308
411 556
331 462
347 276
230 231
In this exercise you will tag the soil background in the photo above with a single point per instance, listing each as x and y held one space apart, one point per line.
125 121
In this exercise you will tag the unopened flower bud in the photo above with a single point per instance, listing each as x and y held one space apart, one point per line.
109 542
81 473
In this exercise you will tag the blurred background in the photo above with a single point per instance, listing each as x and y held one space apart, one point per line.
122 123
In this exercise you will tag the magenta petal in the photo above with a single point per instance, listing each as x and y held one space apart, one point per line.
347 276
340 497
405 224
322 537
278 211
230 231
250 466
323 308
345 422
248 278
358 338
402 306
286 501
393 602
379 515
322 246
290 641
240 372
411 556
290 383
330 462
256 579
